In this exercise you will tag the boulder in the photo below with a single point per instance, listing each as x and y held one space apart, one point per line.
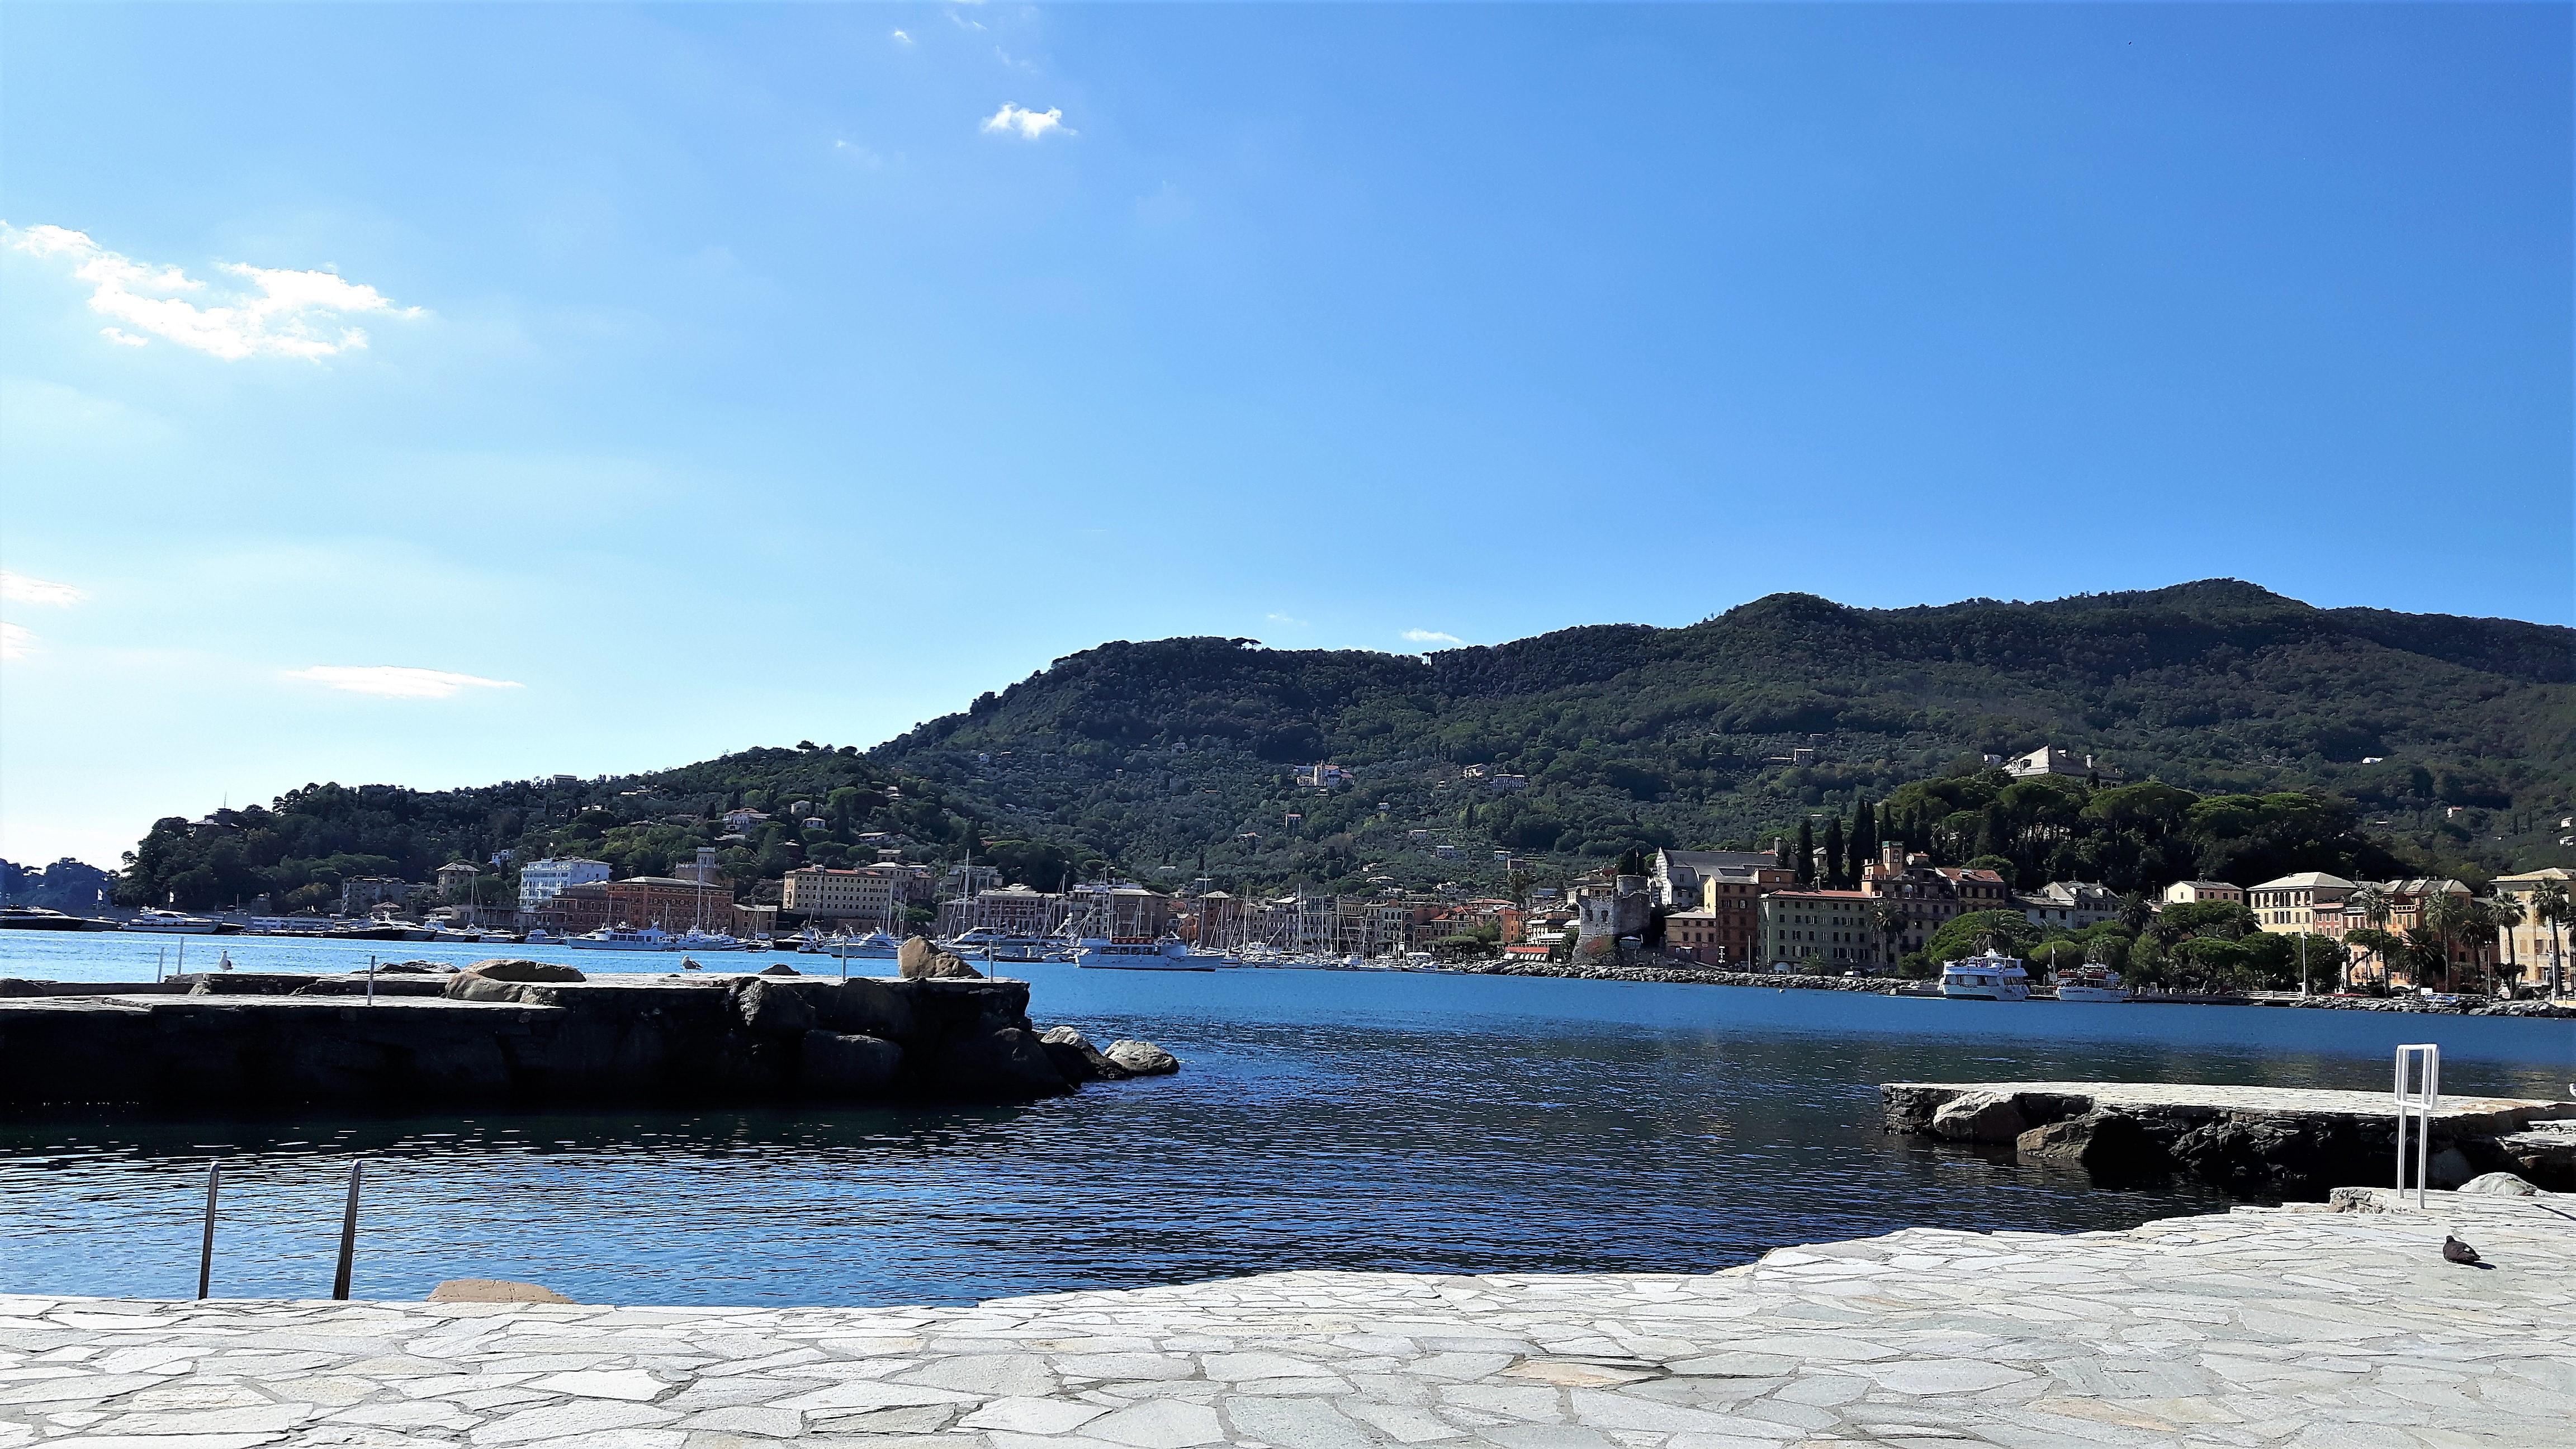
492 1290
911 957
839 1064
870 1008
780 969
465 986
773 1008
1143 1058
420 968
1004 1064
1077 1060
506 969
2110 1145
1967 1117
2499 1184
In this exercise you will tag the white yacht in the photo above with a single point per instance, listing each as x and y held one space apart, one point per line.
1168 954
177 923
1993 976
694 939
625 938
2091 982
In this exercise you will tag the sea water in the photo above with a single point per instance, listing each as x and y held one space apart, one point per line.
1421 1123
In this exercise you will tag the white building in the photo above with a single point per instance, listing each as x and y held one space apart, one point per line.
542 880
2049 760
2192 892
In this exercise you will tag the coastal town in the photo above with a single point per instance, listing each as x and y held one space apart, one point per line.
1850 907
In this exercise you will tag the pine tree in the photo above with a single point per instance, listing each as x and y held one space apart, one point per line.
1805 865
1835 860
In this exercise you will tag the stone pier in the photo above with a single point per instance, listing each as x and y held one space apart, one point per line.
2263 1326
2291 1142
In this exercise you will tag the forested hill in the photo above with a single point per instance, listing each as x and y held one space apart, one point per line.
1169 754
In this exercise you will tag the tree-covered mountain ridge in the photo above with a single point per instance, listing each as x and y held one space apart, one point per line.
1169 754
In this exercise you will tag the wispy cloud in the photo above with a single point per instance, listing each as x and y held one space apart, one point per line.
1027 124
863 155
271 312
900 38
14 641
22 589
1285 619
1430 636
394 681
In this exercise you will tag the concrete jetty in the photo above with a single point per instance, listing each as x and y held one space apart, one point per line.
488 1035
2291 1142
2263 1326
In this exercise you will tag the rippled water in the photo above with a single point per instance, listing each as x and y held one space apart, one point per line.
1324 1120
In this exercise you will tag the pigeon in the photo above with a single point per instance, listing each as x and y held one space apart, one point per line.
2455 1251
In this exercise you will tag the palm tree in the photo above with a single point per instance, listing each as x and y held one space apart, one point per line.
2549 903
2370 900
1889 919
2135 911
2504 911
2425 951
2444 918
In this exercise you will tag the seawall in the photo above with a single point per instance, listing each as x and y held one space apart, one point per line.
258 1042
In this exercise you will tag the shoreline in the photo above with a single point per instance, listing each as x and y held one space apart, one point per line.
1669 974
2344 1321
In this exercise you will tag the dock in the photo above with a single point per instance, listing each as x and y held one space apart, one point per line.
2290 1142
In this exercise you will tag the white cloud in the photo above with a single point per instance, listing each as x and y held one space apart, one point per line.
21 589
1430 636
272 312
394 681
1027 123
1286 619
14 641
902 39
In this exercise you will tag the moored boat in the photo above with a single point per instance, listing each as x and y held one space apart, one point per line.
1993 976
2091 982
38 918
178 923
1168 954
625 938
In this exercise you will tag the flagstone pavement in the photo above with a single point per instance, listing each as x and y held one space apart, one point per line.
2254 1327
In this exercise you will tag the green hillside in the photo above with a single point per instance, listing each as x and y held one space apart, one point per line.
1166 754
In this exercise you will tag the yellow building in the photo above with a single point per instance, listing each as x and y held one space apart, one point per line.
862 895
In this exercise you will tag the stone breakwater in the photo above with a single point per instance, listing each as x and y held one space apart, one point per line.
2288 1142
489 1035
2260 1326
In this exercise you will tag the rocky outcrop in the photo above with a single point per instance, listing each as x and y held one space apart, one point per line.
503 968
1143 1058
2276 1142
919 961
479 1037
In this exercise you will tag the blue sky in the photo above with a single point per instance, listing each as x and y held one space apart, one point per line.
448 395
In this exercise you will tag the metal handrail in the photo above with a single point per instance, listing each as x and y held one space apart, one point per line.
2422 1062
348 1235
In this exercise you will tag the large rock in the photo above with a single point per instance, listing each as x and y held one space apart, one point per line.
838 1064
1004 1063
1967 1117
466 986
911 957
503 968
1077 1059
1143 1058
870 1008
2499 1184
2109 1145
771 1007
493 1290
927 964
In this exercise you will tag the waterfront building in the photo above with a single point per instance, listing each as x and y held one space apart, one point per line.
1676 874
1725 928
2529 943
646 900
1822 932
1123 911
1013 910
1928 896
2070 904
360 895
2192 892
1608 909
871 896
542 880
2287 905
456 880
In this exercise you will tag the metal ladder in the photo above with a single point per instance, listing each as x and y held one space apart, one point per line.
2419 1066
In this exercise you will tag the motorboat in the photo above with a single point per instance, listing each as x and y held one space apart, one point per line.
1993 976
625 938
2091 982
1120 954
694 939
177 923
38 918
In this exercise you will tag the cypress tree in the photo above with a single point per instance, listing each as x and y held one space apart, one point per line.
1864 837
1806 862
1835 860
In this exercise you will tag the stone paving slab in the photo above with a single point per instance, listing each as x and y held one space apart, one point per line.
2283 1326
